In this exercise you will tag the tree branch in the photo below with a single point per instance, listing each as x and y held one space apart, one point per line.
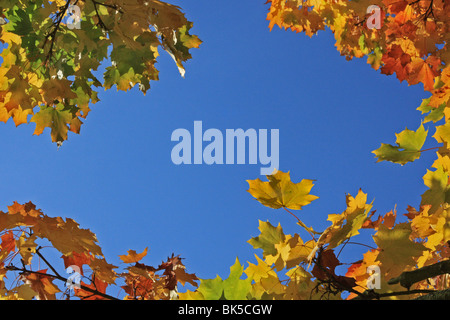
58 277
371 294
60 16
438 295
46 262
408 278
100 21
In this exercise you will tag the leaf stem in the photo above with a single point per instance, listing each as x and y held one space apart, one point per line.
292 214
300 222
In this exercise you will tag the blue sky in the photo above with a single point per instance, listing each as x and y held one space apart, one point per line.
118 180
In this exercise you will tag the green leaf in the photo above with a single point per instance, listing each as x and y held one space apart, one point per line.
409 144
438 191
55 118
374 59
269 237
397 249
434 114
19 22
233 288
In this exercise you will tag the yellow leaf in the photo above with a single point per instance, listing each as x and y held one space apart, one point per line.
398 251
27 247
346 224
281 192
24 292
103 270
260 270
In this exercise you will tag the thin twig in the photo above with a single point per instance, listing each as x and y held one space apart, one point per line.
46 262
100 21
300 221
59 15
58 277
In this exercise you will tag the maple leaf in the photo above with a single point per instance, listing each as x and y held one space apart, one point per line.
8 242
434 114
27 247
395 60
301 287
281 192
358 271
422 223
67 236
140 287
438 192
284 256
183 277
174 270
260 270
27 209
398 251
424 71
432 226
42 285
103 271
77 259
269 237
57 119
325 267
96 285
409 144
232 288
133 257
24 292
347 224
374 59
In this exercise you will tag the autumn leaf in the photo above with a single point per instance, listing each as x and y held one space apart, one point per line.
347 224
438 192
232 288
281 192
103 270
260 270
27 247
409 144
97 285
424 72
397 249
324 270
43 285
8 242
133 257
57 119
269 237
433 114
77 259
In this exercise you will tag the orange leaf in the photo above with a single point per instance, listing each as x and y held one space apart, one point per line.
97 285
133 257
43 285
423 71
8 242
